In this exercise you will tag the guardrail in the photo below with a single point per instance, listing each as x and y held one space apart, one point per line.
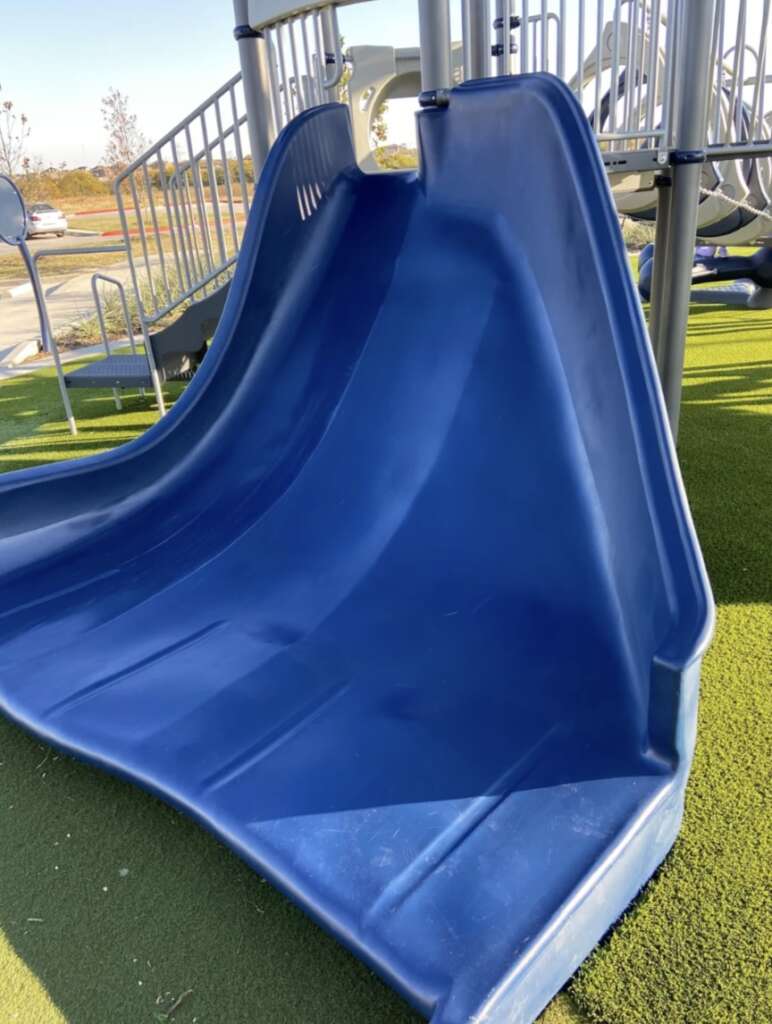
118 285
188 194
305 61
72 250
618 56
627 61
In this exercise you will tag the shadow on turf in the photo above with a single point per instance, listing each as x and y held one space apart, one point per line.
723 429
187 915
33 431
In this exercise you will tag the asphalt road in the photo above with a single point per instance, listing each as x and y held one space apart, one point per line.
70 241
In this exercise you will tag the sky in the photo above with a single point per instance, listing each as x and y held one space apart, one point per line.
59 57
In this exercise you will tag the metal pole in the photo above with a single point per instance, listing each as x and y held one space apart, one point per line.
150 356
691 112
47 334
660 274
254 57
434 32
477 40
331 44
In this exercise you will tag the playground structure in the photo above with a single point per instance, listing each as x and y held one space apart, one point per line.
656 140
750 277
736 196
437 680
380 74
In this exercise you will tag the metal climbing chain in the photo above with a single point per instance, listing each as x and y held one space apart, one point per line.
738 204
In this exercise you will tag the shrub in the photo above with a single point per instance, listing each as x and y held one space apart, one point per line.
636 233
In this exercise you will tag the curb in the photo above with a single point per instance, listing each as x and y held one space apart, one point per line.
92 213
19 353
19 291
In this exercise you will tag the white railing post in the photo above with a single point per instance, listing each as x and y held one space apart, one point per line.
254 58
434 30
477 39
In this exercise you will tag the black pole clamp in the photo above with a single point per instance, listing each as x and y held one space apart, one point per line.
678 157
514 22
246 32
434 98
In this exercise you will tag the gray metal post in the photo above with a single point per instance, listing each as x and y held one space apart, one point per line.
691 113
46 333
331 45
434 31
477 38
661 274
254 59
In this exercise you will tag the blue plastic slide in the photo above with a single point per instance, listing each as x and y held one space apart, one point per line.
402 599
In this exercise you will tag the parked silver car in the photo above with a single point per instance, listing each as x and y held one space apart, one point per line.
45 219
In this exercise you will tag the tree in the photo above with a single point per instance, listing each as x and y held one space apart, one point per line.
379 129
125 141
14 132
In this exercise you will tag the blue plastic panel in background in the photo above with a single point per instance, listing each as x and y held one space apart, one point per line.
402 599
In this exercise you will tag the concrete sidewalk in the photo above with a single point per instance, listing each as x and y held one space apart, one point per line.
68 299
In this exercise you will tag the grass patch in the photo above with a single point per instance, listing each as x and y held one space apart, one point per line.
33 431
103 888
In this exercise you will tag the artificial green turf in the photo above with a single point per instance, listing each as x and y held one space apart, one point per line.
695 948
189 915
33 431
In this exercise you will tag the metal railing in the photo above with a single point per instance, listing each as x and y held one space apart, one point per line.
620 58
616 55
305 62
623 61
98 305
73 250
183 204
184 201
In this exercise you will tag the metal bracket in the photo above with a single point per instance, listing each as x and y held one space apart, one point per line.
514 22
438 98
246 32
679 157
631 161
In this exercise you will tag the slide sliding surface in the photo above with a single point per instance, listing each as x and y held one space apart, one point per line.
402 599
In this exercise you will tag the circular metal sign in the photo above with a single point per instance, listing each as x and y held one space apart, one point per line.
13 213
